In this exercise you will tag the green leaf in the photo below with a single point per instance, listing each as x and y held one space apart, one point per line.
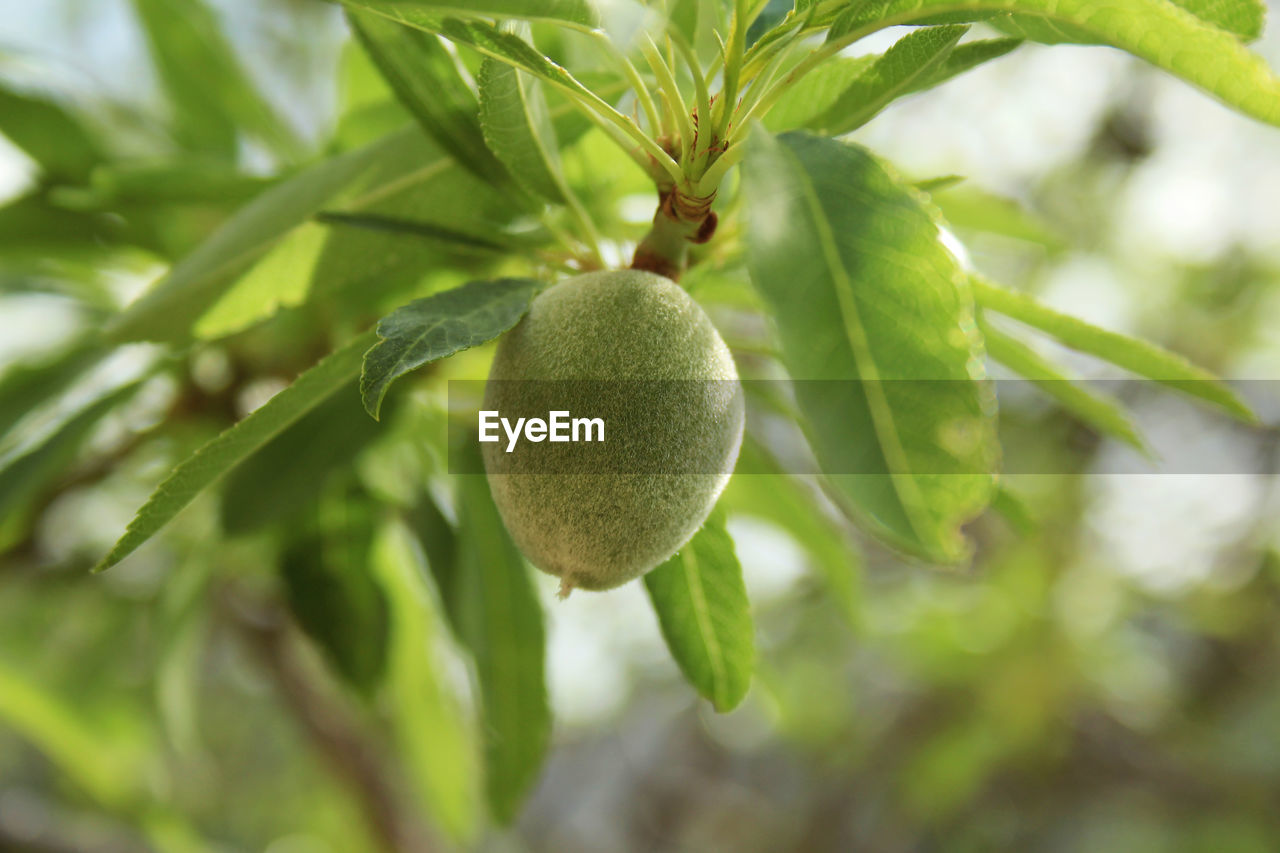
759 488
426 13
168 310
174 183
439 542
25 387
511 49
50 135
502 626
1242 18
702 609
437 745
904 68
1102 414
1160 32
816 92
223 453
517 128
972 208
1136 356
809 100
425 230
967 56
683 18
272 253
863 294
109 768
425 78
285 477
438 326
208 88
330 590
29 469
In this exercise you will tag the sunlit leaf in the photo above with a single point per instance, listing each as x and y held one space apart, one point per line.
272 253
1136 356
438 326
170 308
1102 414
502 626
426 79
702 609
223 453
906 66
517 128
24 387
784 500
814 93
1160 32
973 208
967 56
438 746
1242 18
106 768
208 88
30 469
577 13
49 134
876 325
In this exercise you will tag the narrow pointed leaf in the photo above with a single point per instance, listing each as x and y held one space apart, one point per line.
29 470
965 57
24 387
92 756
785 500
169 309
503 46
274 253
1098 412
576 13
805 103
211 93
1136 356
1205 56
1242 18
425 78
438 326
285 478
702 609
975 209
502 626
904 68
438 746
517 128
223 453
816 92
876 325
332 595
49 134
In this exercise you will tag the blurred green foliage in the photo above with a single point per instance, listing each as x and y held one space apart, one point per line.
314 655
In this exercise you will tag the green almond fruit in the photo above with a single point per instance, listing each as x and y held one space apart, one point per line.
633 351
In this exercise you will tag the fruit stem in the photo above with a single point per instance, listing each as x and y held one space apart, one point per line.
682 219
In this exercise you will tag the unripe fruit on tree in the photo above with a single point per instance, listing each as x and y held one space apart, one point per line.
635 350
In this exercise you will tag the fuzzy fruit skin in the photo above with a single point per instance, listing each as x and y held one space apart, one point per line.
618 330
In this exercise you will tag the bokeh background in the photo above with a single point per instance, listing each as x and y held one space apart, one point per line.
1105 677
